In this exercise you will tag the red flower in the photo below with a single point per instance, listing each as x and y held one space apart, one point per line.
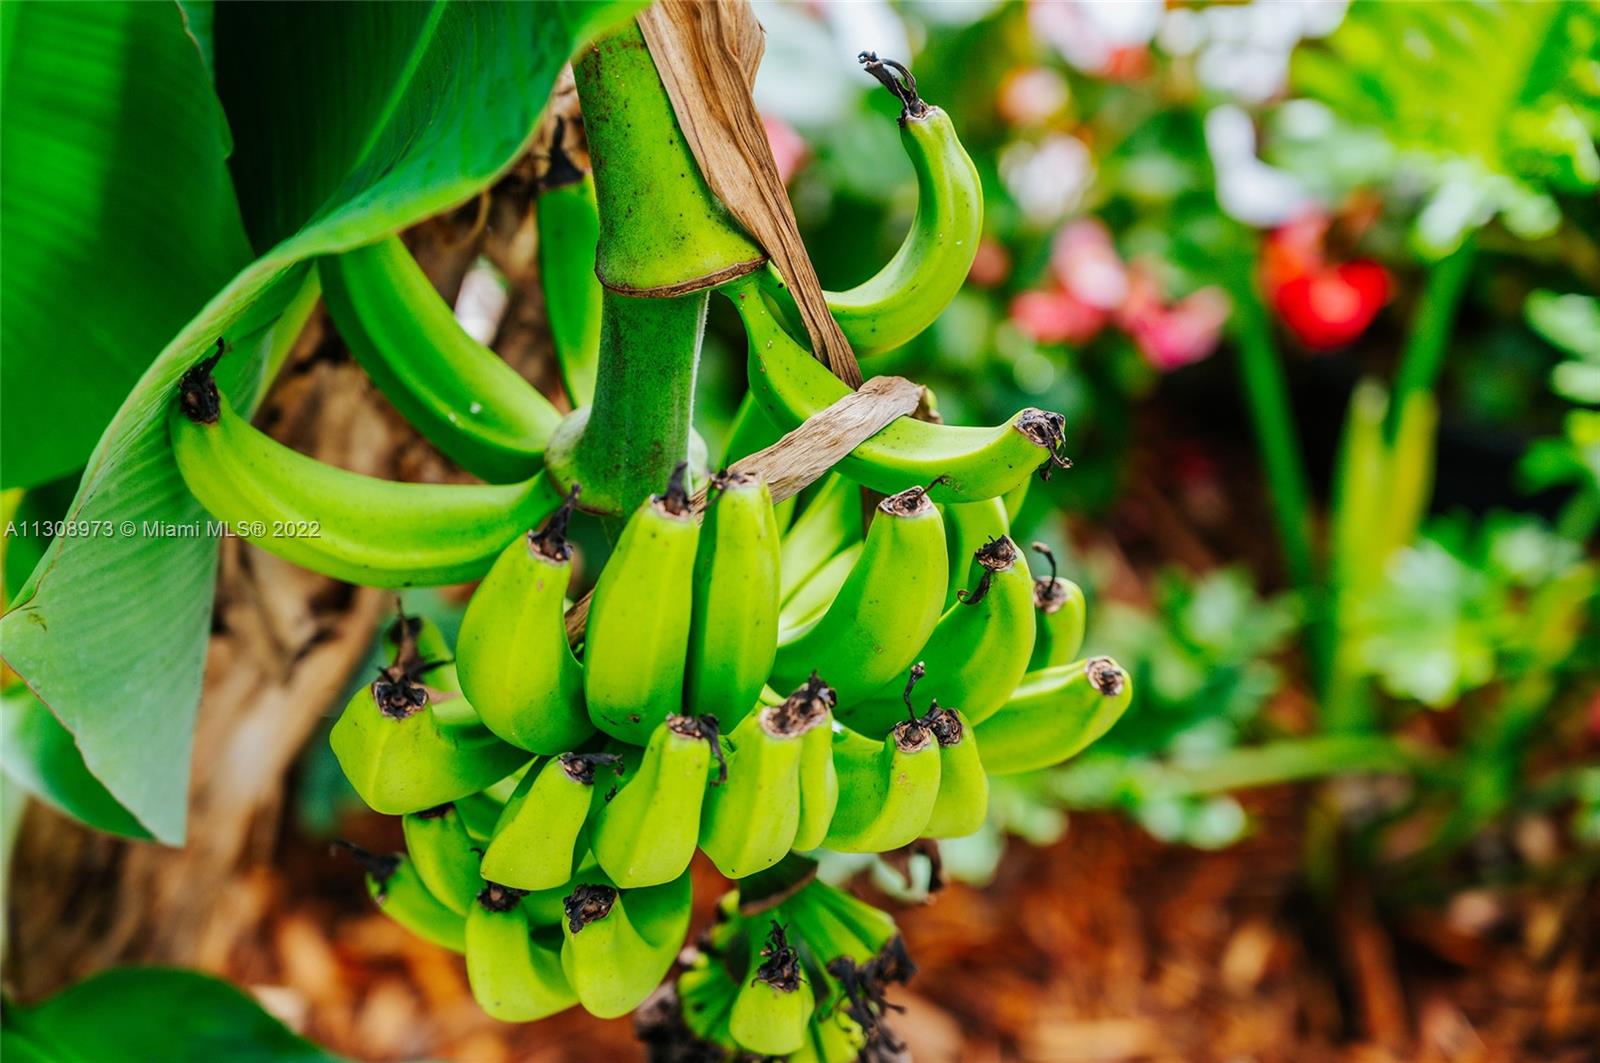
1056 317
1325 306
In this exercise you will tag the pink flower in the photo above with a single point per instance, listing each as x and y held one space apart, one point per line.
1173 336
1056 317
789 149
1031 96
1086 264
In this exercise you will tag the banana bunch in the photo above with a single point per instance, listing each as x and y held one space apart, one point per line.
802 979
749 680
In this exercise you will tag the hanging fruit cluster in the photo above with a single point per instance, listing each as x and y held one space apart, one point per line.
751 678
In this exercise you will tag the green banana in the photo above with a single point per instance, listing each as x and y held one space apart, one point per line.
445 855
886 608
542 834
774 1004
342 524
963 802
913 289
967 527
819 779
406 746
812 598
516 667
706 993
646 834
980 647
458 393
1059 616
891 787
514 971
1053 715
733 625
959 464
831 521
569 233
749 821
831 923
398 890
638 633
749 431
618 945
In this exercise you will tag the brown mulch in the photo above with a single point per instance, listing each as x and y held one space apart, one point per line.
1107 946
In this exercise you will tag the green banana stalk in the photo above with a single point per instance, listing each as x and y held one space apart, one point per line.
963 802
646 834
445 855
959 464
913 289
459 394
542 834
733 625
638 634
891 787
1059 617
1053 715
886 608
979 649
516 667
397 889
774 1005
750 821
617 945
514 970
831 521
342 524
406 745
569 233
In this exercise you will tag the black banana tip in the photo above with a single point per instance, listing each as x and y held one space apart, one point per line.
1043 549
780 966
913 677
1105 675
551 541
497 898
676 498
381 868
198 397
589 903
898 80
562 171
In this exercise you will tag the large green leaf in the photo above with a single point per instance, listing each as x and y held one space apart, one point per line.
1500 98
39 755
150 1013
117 216
111 632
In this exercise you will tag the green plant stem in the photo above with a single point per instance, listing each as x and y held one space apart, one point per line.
639 425
1431 328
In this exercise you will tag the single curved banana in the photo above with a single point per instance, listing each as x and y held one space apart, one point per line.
569 234
819 779
646 834
342 524
890 788
774 1004
978 652
638 633
1053 715
963 802
914 287
397 889
514 971
749 821
967 527
459 394
617 946
886 608
749 431
733 627
1059 617
543 832
831 521
408 740
959 464
516 667
445 855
